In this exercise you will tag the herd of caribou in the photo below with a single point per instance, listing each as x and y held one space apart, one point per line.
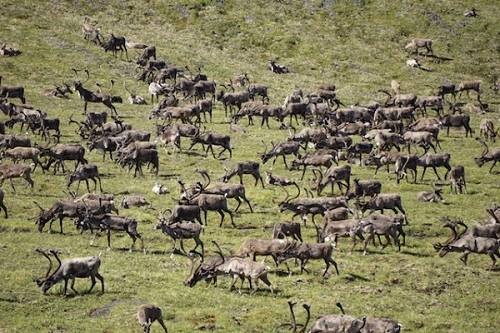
334 137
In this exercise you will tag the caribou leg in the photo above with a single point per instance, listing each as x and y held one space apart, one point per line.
100 278
239 203
235 278
492 166
303 172
327 263
435 171
334 263
72 286
423 173
12 185
4 209
248 203
109 238
92 279
182 247
65 286
60 224
221 217
464 257
494 263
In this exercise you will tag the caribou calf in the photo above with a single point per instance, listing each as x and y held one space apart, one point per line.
263 247
287 229
431 196
24 153
457 179
84 173
147 314
11 171
383 201
363 188
487 129
134 201
310 251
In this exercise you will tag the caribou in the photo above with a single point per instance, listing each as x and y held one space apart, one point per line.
209 202
181 231
11 171
488 156
244 168
92 97
231 191
12 92
72 209
310 251
108 223
467 243
84 173
281 149
63 152
69 269
147 314
234 266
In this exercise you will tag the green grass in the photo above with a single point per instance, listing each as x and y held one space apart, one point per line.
355 44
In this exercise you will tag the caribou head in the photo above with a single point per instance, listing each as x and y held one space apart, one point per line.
44 217
447 247
46 282
204 270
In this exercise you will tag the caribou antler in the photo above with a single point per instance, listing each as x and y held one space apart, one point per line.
293 326
219 251
43 252
287 195
55 254
265 146
385 92
452 225
486 149
306 307
162 213
491 212
206 176
461 222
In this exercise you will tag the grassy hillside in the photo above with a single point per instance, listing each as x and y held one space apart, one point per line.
358 45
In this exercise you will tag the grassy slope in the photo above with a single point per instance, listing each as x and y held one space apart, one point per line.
356 45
